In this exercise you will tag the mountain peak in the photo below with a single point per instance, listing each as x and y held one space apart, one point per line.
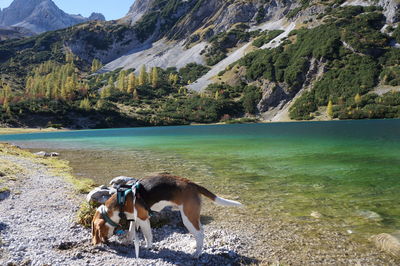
97 16
40 16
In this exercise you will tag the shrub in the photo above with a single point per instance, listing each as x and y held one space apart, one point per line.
86 213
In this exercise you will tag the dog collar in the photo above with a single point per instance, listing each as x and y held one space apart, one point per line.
104 215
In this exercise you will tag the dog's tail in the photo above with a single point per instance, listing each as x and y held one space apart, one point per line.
216 199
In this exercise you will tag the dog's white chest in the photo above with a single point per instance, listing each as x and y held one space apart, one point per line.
157 207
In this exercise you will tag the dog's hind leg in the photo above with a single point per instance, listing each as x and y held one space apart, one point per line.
191 219
146 230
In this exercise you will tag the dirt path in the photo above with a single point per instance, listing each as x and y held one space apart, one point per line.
37 227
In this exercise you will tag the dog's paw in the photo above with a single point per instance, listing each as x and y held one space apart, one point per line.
196 255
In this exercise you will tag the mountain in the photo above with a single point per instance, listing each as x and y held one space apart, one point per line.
7 33
213 61
40 16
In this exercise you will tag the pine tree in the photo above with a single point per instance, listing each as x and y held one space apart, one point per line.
6 106
173 79
329 109
131 83
357 99
111 83
135 94
99 104
142 76
85 104
69 57
96 65
105 92
7 91
121 80
154 77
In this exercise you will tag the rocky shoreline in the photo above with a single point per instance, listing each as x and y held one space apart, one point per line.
39 227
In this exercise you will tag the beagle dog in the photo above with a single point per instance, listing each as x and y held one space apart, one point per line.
153 194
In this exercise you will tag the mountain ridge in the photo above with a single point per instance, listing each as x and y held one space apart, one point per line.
40 16
278 60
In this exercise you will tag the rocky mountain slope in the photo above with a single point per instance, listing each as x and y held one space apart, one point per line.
276 60
7 33
40 15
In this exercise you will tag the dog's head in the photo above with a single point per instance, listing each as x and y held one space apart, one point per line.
101 230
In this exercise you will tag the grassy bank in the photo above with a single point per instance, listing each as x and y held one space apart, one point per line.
7 130
11 171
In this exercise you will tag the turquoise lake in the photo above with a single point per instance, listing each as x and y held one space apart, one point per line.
348 171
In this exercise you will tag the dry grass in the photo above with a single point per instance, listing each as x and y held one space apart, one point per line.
9 171
7 149
85 214
56 166
4 131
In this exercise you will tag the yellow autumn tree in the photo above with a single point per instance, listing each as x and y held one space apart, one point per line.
173 79
121 81
85 104
357 99
105 92
110 83
142 76
96 65
154 77
329 109
131 83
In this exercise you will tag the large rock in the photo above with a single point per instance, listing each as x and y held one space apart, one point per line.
4 195
391 10
388 243
102 193
122 180
47 154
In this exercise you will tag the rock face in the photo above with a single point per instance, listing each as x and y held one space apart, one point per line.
137 10
40 16
391 10
7 33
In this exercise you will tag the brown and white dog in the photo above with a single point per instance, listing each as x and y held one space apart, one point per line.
157 192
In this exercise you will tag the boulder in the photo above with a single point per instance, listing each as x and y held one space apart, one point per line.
122 180
47 154
100 194
369 215
388 243
4 194
316 215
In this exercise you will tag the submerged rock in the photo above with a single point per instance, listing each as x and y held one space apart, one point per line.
370 215
388 243
316 215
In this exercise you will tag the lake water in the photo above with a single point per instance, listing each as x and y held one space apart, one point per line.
348 171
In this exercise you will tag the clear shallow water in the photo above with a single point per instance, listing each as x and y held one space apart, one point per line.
349 171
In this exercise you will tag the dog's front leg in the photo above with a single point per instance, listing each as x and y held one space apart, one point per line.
146 230
130 233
